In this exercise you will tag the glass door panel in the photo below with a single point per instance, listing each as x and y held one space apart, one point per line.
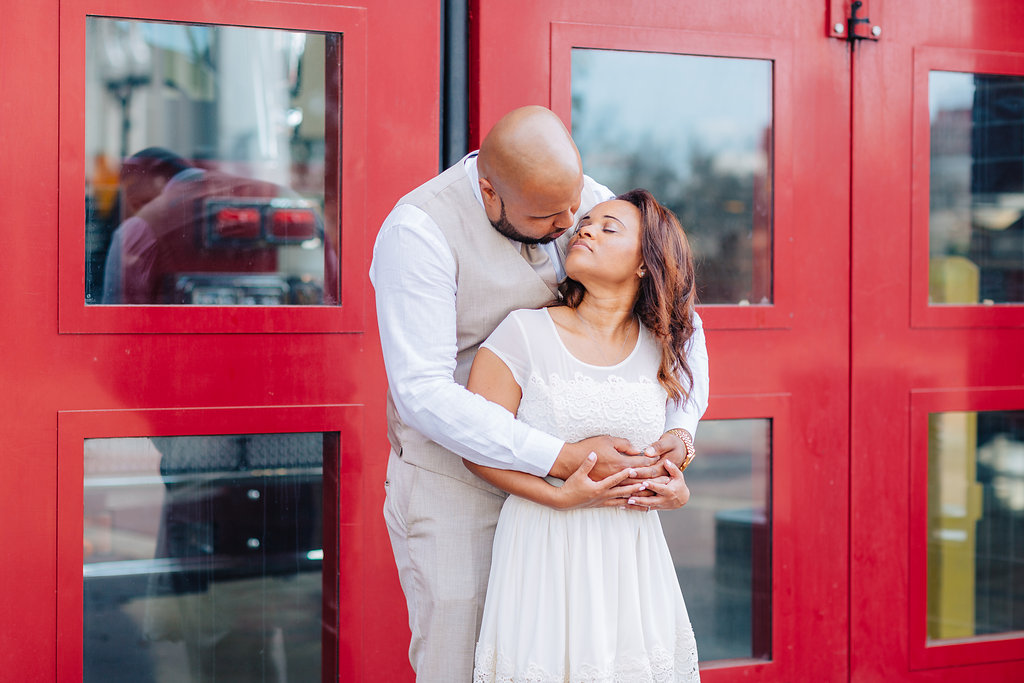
975 524
697 132
207 164
976 188
721 540
203 558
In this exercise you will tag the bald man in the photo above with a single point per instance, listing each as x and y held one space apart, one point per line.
452 259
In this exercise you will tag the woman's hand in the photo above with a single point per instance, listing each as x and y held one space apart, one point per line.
580 491
669 495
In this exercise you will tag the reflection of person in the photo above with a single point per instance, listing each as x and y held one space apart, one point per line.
590 592
452 259
161 235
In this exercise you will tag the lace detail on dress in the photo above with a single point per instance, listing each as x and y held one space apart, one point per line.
657 666
581 406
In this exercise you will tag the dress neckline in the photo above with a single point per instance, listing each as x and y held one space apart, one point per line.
565 349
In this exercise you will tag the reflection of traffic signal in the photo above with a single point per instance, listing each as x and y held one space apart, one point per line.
254 223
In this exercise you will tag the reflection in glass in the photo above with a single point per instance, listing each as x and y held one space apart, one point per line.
209 157
697 132
976 231
721 540
975 524
203 558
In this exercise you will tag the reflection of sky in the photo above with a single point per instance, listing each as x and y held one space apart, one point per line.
949 90
676 104
185 39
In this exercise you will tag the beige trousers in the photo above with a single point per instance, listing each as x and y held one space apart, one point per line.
441 533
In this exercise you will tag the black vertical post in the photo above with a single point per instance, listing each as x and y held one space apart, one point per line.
454 81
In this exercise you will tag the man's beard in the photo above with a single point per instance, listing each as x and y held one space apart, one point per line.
505 227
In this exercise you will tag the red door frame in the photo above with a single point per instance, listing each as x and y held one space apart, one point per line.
132 370
808 403
911 359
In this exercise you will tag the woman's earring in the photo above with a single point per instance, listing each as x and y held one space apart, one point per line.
641 272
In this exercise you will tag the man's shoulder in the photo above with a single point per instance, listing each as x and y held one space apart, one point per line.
445 182
597 191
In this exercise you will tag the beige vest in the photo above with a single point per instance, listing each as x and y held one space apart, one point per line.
492 279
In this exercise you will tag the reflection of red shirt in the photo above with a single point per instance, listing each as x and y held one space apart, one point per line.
165 236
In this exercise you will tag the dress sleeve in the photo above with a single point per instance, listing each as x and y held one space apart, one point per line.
508 342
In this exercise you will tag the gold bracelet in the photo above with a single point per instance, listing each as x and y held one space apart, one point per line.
687 440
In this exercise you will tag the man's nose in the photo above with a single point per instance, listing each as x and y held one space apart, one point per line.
563 221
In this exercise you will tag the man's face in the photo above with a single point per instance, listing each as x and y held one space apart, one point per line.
138 188
538 215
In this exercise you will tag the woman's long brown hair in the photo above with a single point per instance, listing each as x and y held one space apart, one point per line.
668 293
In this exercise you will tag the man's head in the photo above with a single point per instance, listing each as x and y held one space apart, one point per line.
144 174
531 176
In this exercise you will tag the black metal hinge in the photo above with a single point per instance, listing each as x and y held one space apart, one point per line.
852 24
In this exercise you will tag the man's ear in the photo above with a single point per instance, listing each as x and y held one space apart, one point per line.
487 191
492 202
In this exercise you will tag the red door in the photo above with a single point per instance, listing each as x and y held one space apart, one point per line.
937 326
193 412
737 116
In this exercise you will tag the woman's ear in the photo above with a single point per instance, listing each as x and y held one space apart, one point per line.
641 271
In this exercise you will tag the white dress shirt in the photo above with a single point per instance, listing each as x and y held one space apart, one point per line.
413 274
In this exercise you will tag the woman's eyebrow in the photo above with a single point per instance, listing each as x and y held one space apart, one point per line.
615 219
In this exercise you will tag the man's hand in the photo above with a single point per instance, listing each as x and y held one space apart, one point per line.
613 455
669 495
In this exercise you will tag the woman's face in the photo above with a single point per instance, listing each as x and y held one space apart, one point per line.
606 246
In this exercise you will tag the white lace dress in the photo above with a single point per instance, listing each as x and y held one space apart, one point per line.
582 595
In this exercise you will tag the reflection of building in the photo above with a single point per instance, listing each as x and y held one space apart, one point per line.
997 186
999 607
977 188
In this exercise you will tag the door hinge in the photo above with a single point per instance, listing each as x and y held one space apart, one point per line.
849 20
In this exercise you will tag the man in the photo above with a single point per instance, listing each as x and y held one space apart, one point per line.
452 259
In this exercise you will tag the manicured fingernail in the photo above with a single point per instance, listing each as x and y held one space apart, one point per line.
643 487
592 456
632 501
649 451
632 472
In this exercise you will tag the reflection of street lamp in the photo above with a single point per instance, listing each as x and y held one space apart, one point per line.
126 64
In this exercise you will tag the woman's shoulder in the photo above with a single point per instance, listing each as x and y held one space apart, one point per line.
529 317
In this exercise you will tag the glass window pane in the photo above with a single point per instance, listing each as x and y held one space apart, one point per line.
697 132
976 235
203 558
721 540
208 167
975 524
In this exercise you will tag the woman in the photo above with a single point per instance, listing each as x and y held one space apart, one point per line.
582 587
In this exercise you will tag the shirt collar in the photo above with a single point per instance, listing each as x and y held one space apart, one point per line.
469 163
